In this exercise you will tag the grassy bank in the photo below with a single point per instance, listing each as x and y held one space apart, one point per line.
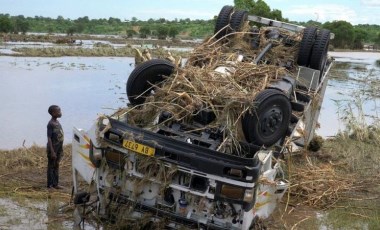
23 172
85 52
334 188
26 202
338 186
115 39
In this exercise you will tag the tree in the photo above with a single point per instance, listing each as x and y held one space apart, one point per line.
344 33
60 19
377 39
162 32
113 21
144 31
131 33
161 20
276 14
244 4
312 23
79 27
173 31
259 8
134 20
70 31
83 20
20 24
5 24
360 36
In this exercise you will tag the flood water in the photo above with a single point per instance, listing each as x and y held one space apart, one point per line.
350 78
82 87
85 87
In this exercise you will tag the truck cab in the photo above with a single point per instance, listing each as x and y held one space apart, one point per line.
179 157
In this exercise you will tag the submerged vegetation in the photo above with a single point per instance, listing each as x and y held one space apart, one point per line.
100 51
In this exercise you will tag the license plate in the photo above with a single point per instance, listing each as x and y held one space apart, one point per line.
138 148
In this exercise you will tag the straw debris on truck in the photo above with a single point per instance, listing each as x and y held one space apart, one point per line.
199 144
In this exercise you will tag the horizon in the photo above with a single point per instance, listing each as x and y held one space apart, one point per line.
354 12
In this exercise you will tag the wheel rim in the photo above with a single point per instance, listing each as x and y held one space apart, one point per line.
271 121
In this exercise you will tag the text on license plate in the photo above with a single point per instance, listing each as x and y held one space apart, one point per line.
139 148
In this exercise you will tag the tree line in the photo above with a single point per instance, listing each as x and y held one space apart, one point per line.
160 28
346 35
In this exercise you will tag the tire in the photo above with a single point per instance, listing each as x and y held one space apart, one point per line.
306 46
319 52
222 20
298 107
144 76
238 18
270 119
81 197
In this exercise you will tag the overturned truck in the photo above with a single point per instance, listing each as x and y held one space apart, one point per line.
198 146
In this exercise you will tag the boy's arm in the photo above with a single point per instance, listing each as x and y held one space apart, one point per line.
50 143
52 153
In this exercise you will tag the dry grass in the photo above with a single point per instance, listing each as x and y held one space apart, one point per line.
229 96
315 182
24 172
23 184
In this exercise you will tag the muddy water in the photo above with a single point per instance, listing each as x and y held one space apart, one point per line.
87 86
83 87
48 214
350 75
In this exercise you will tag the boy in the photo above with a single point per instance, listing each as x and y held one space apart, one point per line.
54 147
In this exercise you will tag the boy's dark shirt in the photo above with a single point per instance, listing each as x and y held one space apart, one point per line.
55 132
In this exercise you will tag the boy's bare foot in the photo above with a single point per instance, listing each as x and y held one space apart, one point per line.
58 187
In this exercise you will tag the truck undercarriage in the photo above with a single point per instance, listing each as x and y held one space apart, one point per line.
185 174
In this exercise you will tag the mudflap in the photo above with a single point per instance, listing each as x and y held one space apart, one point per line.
272 187
81 163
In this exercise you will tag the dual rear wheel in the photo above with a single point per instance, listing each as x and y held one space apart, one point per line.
313 48
229 20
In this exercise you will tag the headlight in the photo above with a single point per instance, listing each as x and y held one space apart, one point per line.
237 193
249 195
232 192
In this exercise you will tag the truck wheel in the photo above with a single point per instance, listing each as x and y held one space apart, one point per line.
238 18
269 120
222 20
144 76
306 46
81 197
319 52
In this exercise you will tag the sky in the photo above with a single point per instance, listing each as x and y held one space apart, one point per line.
353 11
